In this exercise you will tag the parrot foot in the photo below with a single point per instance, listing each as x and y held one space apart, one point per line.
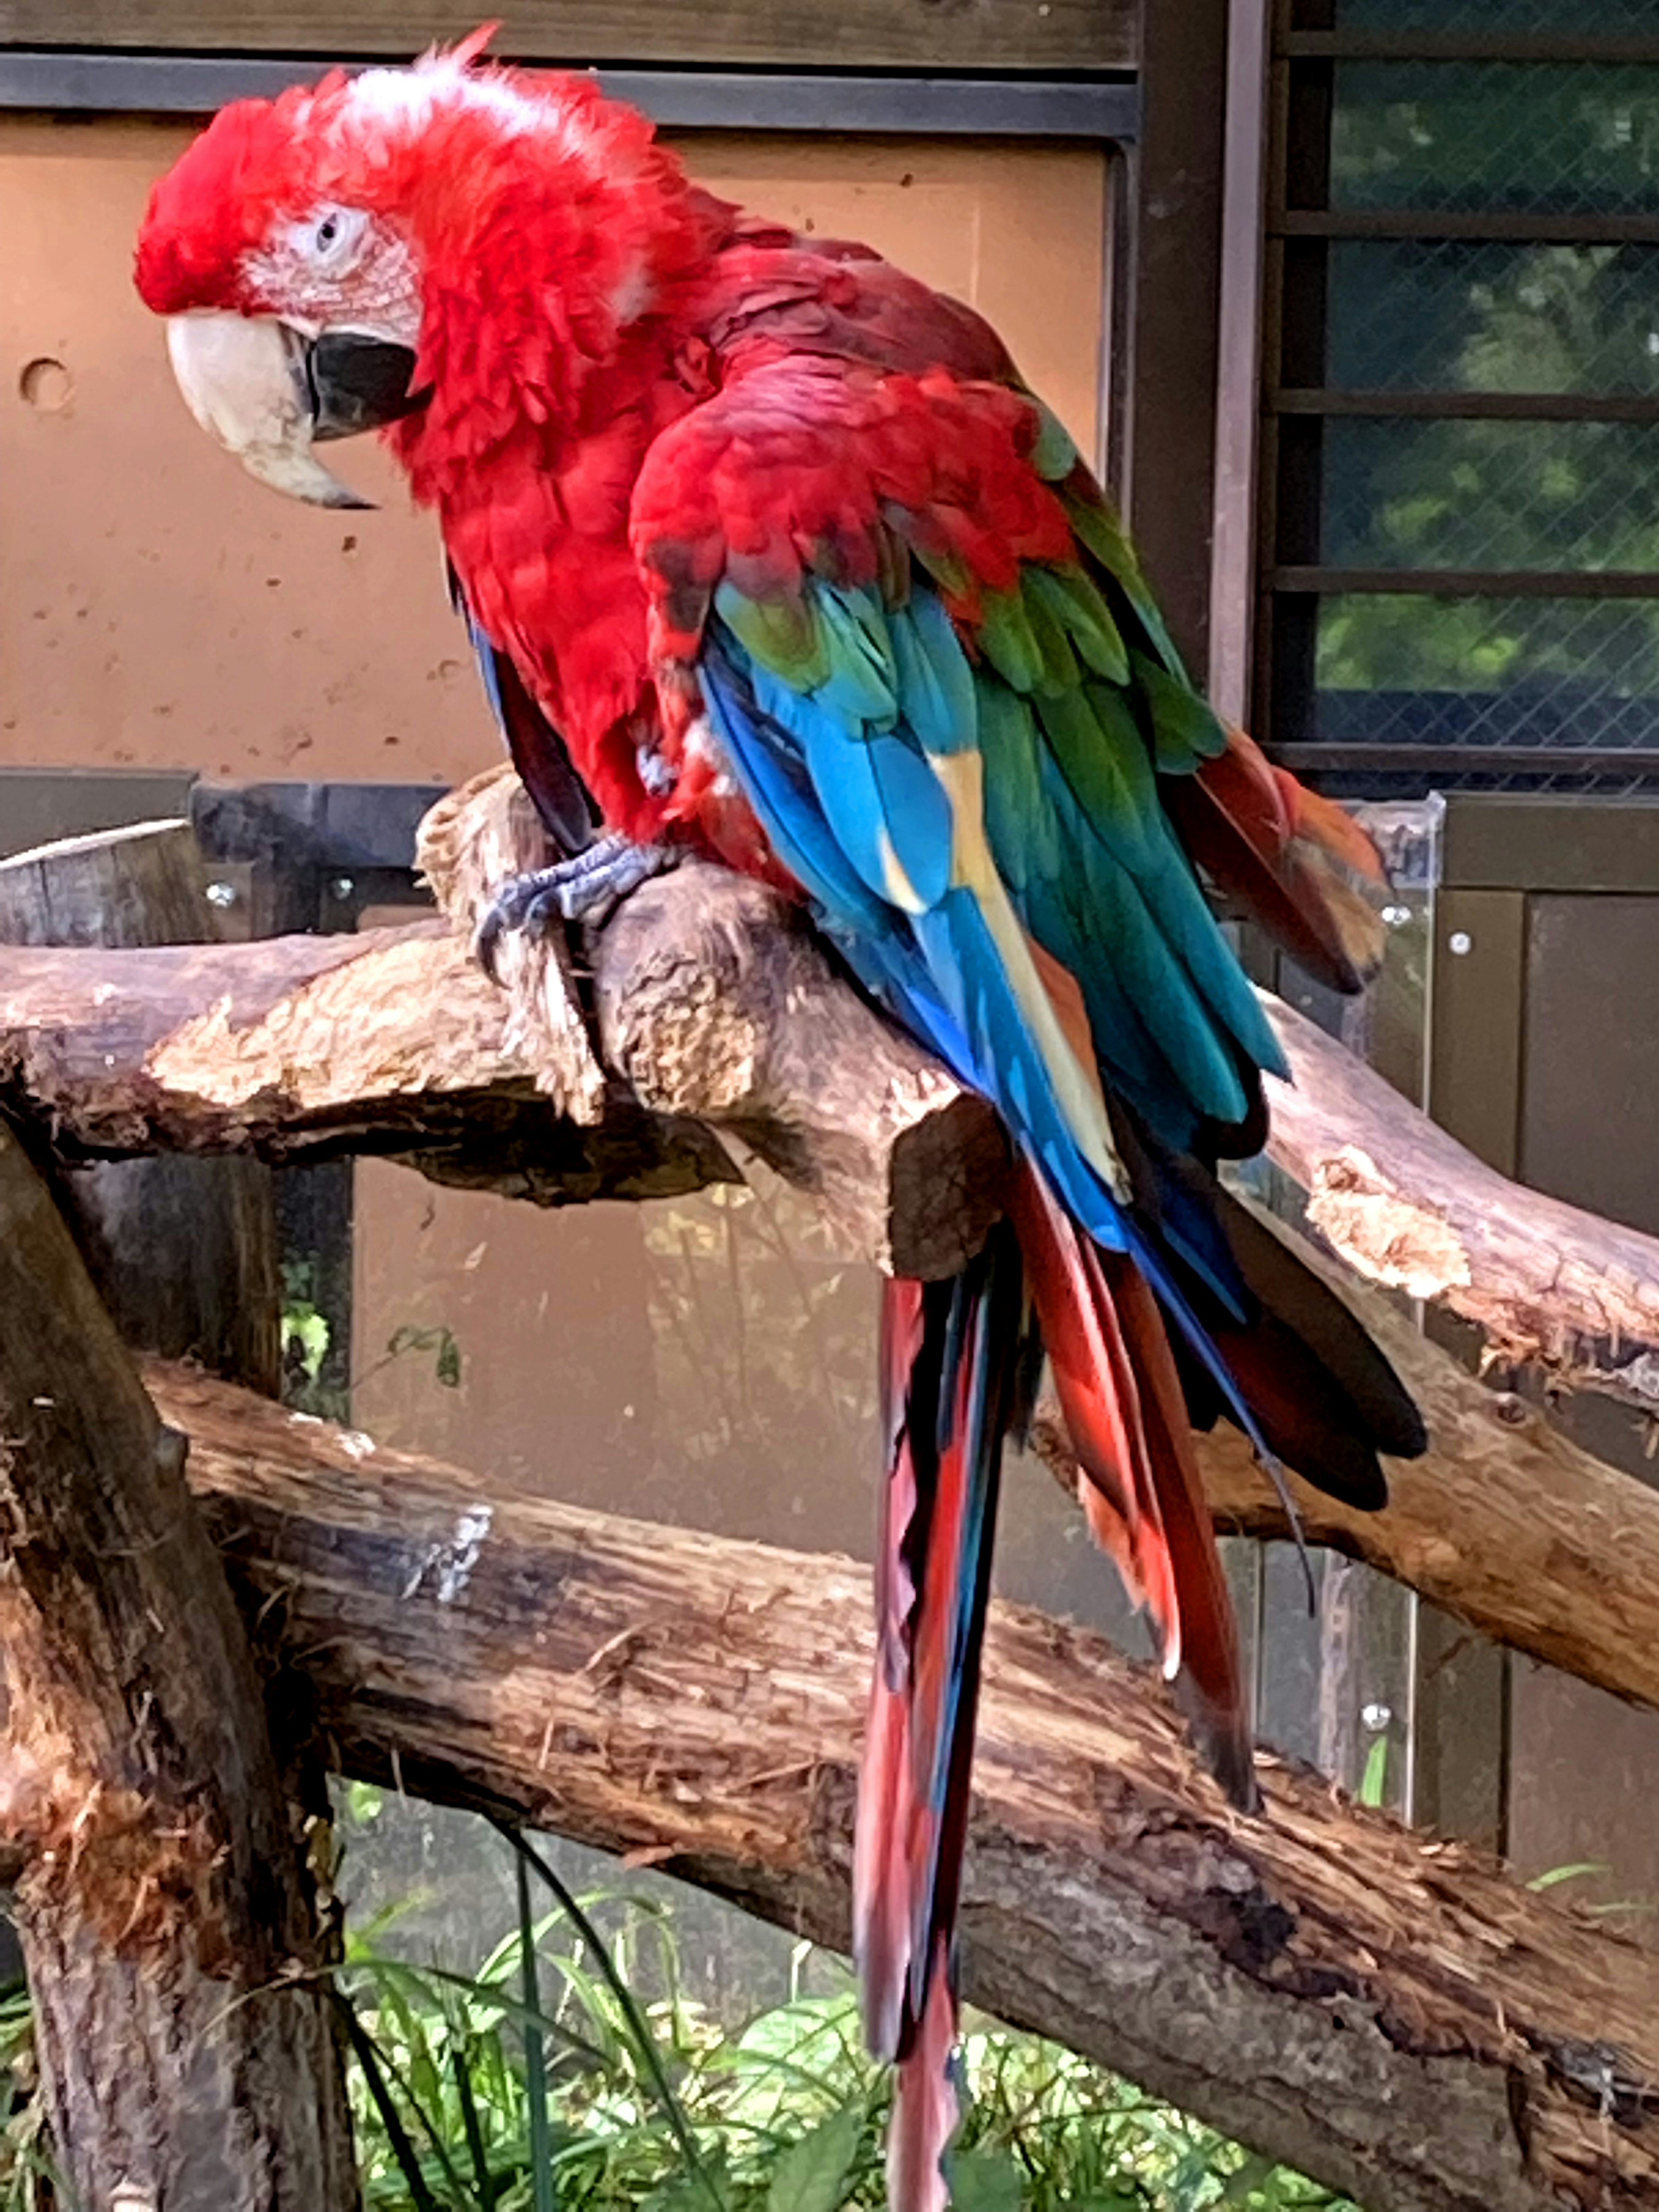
585 889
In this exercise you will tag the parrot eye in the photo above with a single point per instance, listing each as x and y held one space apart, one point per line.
329 238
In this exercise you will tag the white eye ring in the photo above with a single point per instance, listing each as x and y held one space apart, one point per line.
329 237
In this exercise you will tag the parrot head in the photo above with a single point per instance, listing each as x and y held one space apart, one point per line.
450 239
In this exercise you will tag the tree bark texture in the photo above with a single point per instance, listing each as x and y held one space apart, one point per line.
182 1250
1503 1522
1406 1207
163 1904
1389 2012
721 1015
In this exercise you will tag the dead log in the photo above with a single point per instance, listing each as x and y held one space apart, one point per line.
1388 2013
182 1250
1405 1206
718 1012
1505 1523
163 1905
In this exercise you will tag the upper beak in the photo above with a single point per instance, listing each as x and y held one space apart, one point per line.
266 393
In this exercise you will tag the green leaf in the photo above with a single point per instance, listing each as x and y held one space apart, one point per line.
985 2181
1375 1779
1576 1872
811 2175
691 2193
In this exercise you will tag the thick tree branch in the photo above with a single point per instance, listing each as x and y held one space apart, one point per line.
1390 2013
719 1015
717 1010
1505 1522
1408 1208
163 1906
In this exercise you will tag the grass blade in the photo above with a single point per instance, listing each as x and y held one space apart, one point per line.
475 2142
535 2053
402 2149
639 2028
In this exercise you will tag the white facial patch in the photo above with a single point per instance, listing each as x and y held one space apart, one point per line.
340 268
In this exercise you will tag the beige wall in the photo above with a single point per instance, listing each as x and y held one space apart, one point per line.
158 609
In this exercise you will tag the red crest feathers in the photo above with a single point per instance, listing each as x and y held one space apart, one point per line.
221 196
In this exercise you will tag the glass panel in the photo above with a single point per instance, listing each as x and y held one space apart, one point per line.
1498 19
1461 673
1499 137
1506 495
1444 315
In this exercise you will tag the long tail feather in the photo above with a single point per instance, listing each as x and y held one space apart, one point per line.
1296 860
955 1357
925 2111
1121 1394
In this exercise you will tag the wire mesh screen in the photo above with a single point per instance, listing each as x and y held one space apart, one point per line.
1536 138
1506 360
1507 496
1455 315
1498 19
1543 677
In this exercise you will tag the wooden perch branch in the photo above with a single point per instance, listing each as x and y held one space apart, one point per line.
1389 2012
1505 1522
719 1013
1407 1208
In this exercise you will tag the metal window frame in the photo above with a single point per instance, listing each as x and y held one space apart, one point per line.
1292 578
1465 46
1106 109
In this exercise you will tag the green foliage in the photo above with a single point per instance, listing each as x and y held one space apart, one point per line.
653 2105
1374 1782
562 2083
27 2173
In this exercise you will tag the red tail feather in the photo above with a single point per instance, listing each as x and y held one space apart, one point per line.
925 2110
1210 1674
1288 855
950 1354
953 1355
1123 1404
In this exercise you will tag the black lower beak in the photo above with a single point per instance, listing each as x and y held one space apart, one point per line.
357 383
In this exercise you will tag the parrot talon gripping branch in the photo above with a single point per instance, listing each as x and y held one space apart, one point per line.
587 887
770 556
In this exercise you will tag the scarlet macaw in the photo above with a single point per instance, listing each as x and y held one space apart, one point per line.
767 548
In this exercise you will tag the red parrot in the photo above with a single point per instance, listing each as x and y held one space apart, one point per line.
769 554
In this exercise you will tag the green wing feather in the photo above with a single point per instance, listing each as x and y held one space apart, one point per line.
1078 705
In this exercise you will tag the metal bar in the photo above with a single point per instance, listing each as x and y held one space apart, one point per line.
1485 760
1176 239
1473 406
1455 46
1441 223
1009 108
1238 418
1472 583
